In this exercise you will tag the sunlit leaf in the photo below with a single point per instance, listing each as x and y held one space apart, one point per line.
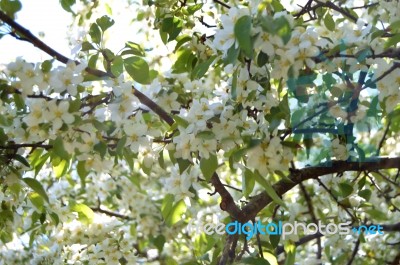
37 187
243 35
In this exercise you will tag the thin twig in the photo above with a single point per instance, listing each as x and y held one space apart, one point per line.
110 213
222 3
383 138
336 200
365 6
354 253
258 240
313 217
34 145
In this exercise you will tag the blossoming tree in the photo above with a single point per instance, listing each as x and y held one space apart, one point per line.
211 112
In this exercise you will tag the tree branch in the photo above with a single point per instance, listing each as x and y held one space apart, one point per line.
355 250
110 213
227 203
258 202
313 218
222 3
34 145
308 238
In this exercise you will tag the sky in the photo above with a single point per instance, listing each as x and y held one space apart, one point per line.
45 16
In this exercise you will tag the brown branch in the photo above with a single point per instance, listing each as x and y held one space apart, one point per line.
244 250
387 72
305 9
227 203
228 253
258 241
222 3
365 6
308 238
313 217
27 35
355 250
226 185
34 145
383 138
302 241
110 213
201 20
261 200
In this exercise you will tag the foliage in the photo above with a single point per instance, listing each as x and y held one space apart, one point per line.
208 112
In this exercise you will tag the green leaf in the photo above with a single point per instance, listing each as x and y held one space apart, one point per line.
290 249
262 59
93 60
85 214
274 239
61 169
37 187
234 85
22 160
181 121
175 215
10 7
394 26
120 145
46 66
101 147
392 41
19 102
36 200
208 166
181 40
66 5
377 214
171 26
329 22
185 61
200 69
248 182
117 66
277 6
268 189
231 55
59 150
166 205
279 26
206 135
40 162
345 189
360 152
194 8
159 242
82 172
55 218
242 31
138 69
133 48
86 46
283 29
255 261
366 194
95 33
105 22
183 164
